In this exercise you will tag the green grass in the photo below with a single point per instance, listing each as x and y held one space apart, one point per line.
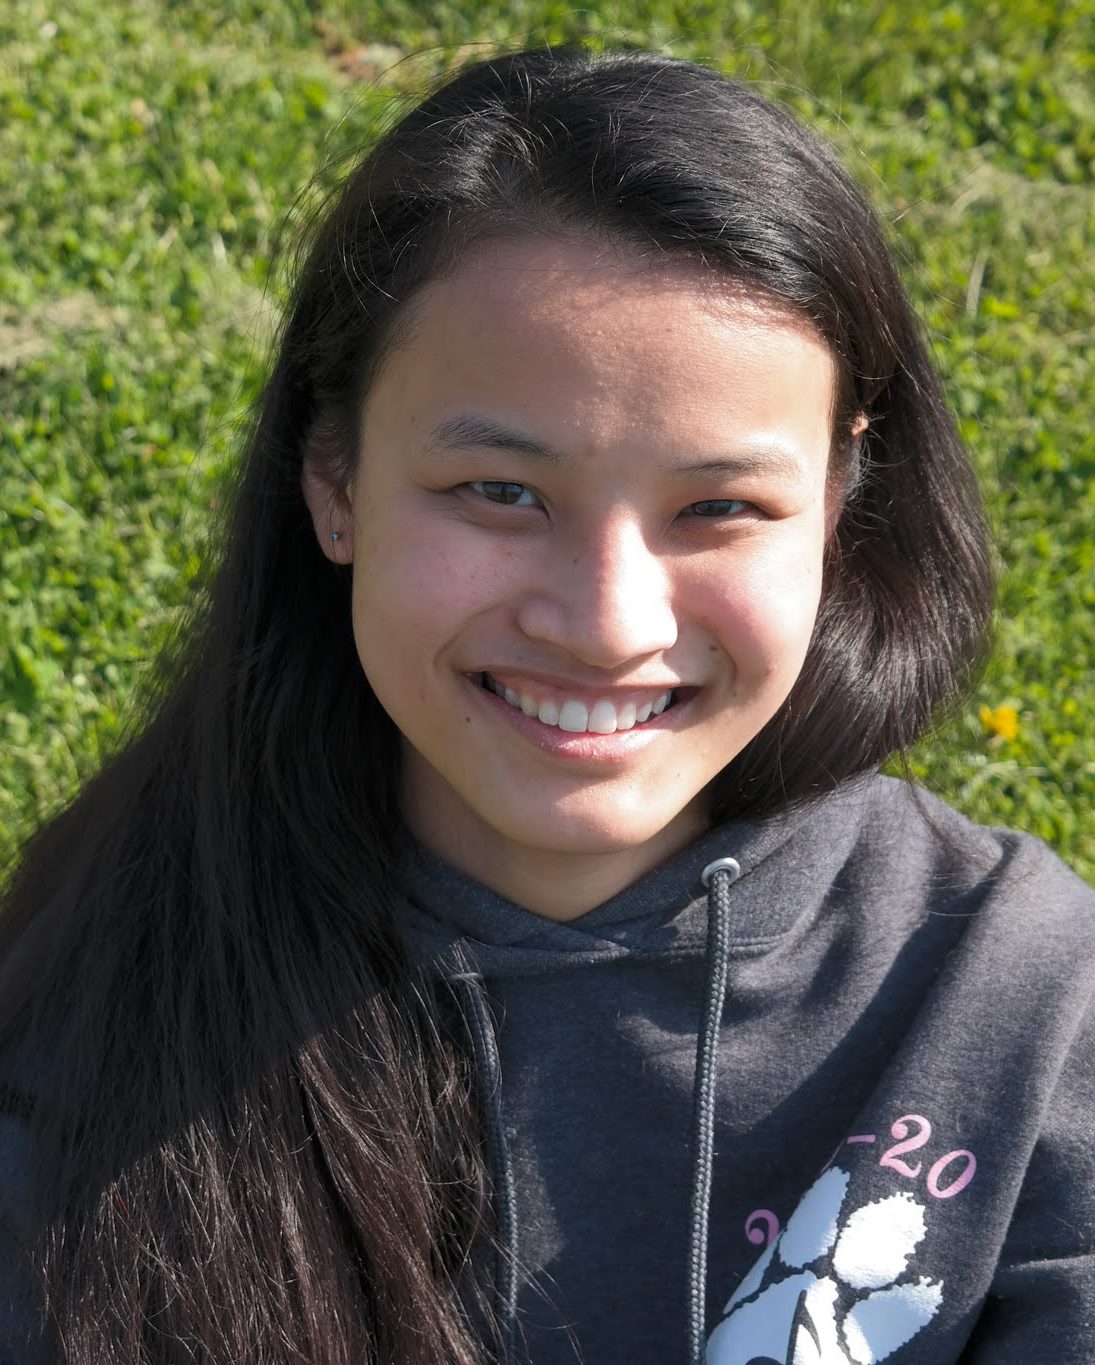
152 152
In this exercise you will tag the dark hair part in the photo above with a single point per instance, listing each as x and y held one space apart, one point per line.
255 1125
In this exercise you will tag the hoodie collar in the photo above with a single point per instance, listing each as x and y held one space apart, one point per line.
788 861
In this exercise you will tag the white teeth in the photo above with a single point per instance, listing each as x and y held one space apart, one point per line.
574 716
602 719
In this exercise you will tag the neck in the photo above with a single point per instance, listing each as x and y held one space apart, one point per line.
559 884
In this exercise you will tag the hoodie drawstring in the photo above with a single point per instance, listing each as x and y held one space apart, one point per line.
718 877
501 1173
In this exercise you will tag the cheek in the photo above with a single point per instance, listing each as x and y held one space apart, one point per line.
416 587
763 616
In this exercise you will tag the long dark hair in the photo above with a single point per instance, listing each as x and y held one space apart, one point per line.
254 1122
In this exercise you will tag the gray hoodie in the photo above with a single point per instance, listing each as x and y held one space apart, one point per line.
900 1103
902 1097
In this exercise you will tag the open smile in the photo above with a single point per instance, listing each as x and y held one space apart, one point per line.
584 715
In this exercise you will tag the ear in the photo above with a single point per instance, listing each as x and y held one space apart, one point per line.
836 494
329 504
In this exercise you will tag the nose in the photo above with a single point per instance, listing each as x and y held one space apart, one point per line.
604 597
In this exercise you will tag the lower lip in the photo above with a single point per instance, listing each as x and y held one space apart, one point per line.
581 746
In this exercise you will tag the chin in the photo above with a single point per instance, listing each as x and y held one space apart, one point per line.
592 832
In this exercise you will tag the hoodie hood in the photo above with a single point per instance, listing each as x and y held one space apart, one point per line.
787 861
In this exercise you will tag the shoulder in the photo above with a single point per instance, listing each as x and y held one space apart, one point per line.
993 912
1008 927
893 862
933 852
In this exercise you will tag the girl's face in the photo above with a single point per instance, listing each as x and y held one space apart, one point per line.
586 529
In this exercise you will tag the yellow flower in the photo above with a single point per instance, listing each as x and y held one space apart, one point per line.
1002 721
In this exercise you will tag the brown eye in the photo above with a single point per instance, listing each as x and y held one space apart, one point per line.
505 494
717 507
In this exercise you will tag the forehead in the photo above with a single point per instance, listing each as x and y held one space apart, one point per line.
606 340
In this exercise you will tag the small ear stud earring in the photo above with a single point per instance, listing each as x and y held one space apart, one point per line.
335 535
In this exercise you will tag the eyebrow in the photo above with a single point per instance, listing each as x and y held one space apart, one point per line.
770 461
462 433
468 431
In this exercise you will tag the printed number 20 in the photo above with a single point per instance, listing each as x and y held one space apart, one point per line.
892 1158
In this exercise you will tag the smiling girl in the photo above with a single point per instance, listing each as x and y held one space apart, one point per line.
500 944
